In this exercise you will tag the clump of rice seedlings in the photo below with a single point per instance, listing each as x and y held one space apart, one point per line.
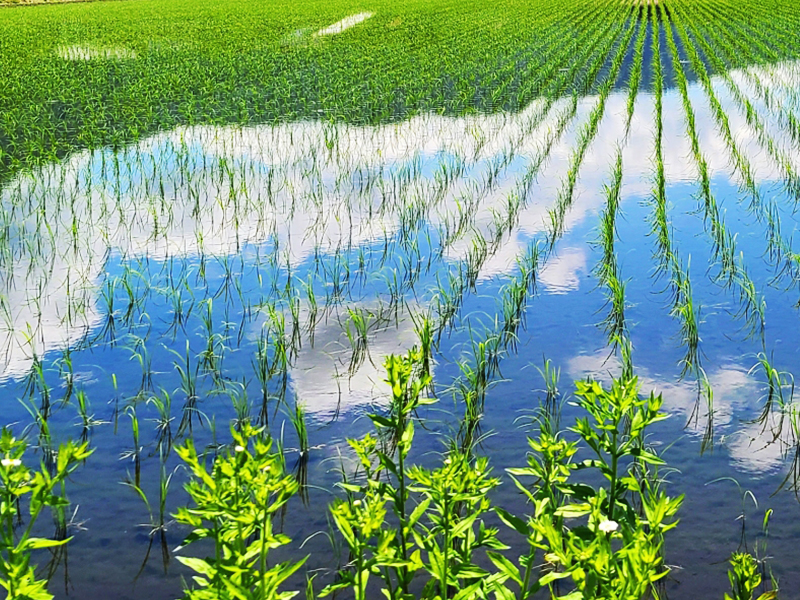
162 402
424 328
87 420
271 361
210 358
158 523
297 417
551 375
188 371
357 329
779 395
67 373
34 383
134 454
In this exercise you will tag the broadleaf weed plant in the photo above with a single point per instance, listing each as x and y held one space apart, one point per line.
605 540
234 505
38 489
597 515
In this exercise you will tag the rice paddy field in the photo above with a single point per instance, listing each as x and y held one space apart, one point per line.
216 213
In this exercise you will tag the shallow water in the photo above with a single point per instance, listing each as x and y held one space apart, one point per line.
196 249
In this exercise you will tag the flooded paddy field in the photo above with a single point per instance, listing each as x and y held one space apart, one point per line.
216 215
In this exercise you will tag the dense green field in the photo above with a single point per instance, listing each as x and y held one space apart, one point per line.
254 61
331 247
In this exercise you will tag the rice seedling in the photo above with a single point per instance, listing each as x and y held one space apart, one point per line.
87 420
135 454
163 421
189 387
158 523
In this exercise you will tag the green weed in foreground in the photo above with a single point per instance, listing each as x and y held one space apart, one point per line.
234 505
419 532
22 487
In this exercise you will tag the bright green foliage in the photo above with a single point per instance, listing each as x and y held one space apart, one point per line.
449 531
413 528
20 484
745 579
443 531
606 540
234 505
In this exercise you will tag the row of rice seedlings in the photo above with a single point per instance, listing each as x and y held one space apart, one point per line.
670 264
732 271
607 269
766 215
587 133
481 369
448 300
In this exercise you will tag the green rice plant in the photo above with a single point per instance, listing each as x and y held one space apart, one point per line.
158 523
234 506
134 454
210 358
141 354
551 376
188 375
237 392
357 328
297 418
424 328
780 390
162 402
39 489
87 421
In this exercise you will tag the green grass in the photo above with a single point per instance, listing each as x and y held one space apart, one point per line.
248 61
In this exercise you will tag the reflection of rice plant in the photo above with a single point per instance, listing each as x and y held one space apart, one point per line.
357 330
